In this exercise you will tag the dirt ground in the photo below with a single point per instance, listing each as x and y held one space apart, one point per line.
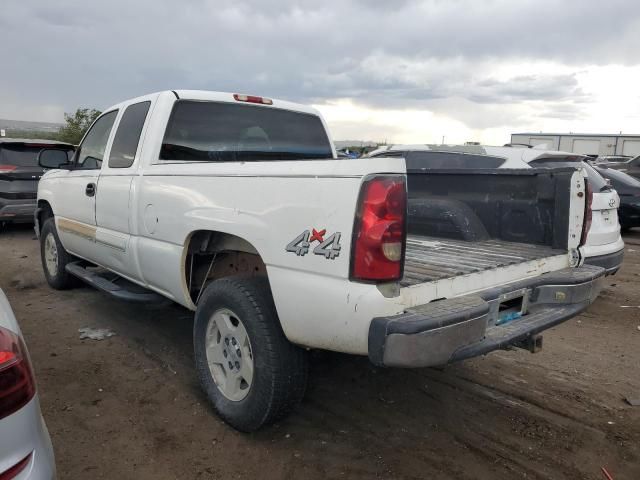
130 406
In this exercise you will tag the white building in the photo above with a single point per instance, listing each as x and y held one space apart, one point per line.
583 143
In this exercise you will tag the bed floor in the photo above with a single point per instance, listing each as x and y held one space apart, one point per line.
429 258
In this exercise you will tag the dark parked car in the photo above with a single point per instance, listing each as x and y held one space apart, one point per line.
628 189
630 167
613 158
19 175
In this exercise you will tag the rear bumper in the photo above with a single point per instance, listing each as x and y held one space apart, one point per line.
17 210
610 262
458 328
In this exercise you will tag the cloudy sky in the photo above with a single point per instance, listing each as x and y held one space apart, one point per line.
401 71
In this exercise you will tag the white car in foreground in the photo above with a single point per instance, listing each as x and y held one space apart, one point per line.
604 246
25 447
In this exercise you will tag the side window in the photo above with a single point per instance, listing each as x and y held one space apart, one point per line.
91 152
125 143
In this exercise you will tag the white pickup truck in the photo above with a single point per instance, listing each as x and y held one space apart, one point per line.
236 207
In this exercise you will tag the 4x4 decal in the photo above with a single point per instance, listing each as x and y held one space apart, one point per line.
329 247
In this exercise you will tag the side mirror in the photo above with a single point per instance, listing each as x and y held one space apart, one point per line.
52 158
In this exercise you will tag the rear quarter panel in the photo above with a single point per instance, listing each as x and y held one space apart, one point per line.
268 204
7 318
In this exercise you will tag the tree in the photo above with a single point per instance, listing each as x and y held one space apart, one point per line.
77 124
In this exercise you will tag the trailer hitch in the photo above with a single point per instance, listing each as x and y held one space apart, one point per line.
532 343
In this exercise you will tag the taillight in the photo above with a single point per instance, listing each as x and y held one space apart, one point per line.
252 99
379 234
14 471
7 168
17 385
588 214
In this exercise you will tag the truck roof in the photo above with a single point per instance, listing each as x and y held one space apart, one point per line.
227 97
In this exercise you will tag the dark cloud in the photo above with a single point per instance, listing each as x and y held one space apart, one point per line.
526 87
381 53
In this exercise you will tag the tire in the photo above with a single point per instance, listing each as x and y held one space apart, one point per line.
50 246
278 376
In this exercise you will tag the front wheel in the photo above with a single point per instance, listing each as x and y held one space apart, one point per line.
251 373
54 257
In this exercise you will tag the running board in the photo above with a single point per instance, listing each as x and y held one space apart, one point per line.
123 289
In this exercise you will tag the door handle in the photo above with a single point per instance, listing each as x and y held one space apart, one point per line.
90 191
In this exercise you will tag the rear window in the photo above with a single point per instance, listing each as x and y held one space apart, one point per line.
227 132
620 177
450 160
595 179
615 159
21 155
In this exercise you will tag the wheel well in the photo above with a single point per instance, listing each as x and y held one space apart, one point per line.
44 212
210 255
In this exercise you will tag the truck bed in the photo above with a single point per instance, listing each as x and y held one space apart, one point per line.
430 258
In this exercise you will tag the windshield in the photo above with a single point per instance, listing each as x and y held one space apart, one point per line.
598 183
21 155
228 132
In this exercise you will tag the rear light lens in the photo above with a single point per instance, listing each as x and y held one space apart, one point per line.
14 471
7 168
17 385
252 99
588 214
380 230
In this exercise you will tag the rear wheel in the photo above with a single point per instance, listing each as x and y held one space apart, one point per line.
251 373
54 257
